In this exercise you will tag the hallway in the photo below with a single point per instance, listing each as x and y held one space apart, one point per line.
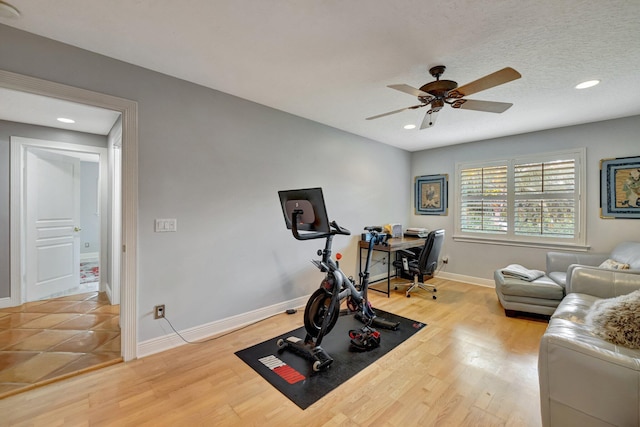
42 341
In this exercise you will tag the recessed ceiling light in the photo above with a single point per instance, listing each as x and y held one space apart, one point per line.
8 11
64 120
409 127
587 84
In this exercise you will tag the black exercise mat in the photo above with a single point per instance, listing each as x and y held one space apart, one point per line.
293 375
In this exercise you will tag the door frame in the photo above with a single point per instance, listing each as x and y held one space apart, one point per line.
129 111
19 145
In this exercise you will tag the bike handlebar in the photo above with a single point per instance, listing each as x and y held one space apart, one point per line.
339 230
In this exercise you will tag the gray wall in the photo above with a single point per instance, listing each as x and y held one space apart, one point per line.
89 215
603 140
216 162
7 130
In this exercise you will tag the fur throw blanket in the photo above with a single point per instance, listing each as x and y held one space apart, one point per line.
617 320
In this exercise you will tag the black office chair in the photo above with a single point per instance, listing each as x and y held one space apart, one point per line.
422 265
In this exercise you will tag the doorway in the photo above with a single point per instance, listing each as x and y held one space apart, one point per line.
59 215
127 251
58 326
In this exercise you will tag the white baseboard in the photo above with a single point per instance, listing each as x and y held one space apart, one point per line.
167 342
89 256
5 302
107 290
489 283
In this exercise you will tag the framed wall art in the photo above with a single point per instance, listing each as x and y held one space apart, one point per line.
620 188
431 194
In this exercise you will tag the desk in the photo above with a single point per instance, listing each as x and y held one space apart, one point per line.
393 245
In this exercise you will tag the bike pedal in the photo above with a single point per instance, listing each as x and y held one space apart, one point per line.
364 339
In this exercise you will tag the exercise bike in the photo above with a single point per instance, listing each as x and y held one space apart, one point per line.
305 210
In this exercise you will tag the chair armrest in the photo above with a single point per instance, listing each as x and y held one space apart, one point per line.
560 261
602 282
406 254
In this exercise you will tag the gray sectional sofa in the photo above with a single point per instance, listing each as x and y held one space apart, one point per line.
586 380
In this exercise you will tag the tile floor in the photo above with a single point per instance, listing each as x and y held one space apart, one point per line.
42 341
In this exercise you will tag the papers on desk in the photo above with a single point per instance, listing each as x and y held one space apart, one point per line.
416 232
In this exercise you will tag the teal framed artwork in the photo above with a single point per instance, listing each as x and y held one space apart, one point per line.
431 194
620 188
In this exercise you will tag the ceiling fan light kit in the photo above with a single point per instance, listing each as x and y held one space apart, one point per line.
437 93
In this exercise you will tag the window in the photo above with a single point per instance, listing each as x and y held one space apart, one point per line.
527 200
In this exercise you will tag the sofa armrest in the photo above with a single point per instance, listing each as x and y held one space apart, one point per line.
602 282
560 261
585 380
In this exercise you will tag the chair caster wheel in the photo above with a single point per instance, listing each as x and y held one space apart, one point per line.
435 290
435 297
396 288
408 295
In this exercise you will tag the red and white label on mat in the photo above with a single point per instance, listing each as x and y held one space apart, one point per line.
283 370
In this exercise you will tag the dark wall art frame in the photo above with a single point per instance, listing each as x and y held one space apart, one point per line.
431 194
620 188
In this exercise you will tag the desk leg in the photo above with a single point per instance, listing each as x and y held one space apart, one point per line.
388 274
388 255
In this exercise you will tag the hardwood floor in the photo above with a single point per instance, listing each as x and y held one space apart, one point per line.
470 366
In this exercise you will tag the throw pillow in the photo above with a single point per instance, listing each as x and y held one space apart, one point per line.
614 265
617 320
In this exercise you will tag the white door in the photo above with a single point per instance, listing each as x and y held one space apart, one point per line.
52 211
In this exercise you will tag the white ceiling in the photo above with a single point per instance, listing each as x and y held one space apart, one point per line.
24 107
330 60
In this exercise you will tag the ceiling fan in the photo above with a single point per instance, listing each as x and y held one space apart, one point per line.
439 92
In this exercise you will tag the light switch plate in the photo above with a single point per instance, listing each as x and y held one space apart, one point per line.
166 225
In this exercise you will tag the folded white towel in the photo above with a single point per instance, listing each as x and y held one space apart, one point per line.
519 272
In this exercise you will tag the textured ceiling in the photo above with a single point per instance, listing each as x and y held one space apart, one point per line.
330 61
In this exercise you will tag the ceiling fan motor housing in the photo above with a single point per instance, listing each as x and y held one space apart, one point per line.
439 88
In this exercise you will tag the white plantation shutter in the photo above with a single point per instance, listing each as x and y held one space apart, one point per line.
484 199
545 199
534 200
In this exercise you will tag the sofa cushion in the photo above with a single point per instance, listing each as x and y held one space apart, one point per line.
614 265
575 307
627 253
560 277
617 320
541 288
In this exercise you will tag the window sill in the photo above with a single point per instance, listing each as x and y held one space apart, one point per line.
527 244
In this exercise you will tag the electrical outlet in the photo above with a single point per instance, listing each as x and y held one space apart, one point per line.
159 312
445 260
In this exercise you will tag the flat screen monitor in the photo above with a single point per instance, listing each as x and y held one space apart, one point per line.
311 202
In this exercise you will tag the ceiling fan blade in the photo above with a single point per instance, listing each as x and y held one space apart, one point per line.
429 119
488 106
410 90
396 111
495 79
